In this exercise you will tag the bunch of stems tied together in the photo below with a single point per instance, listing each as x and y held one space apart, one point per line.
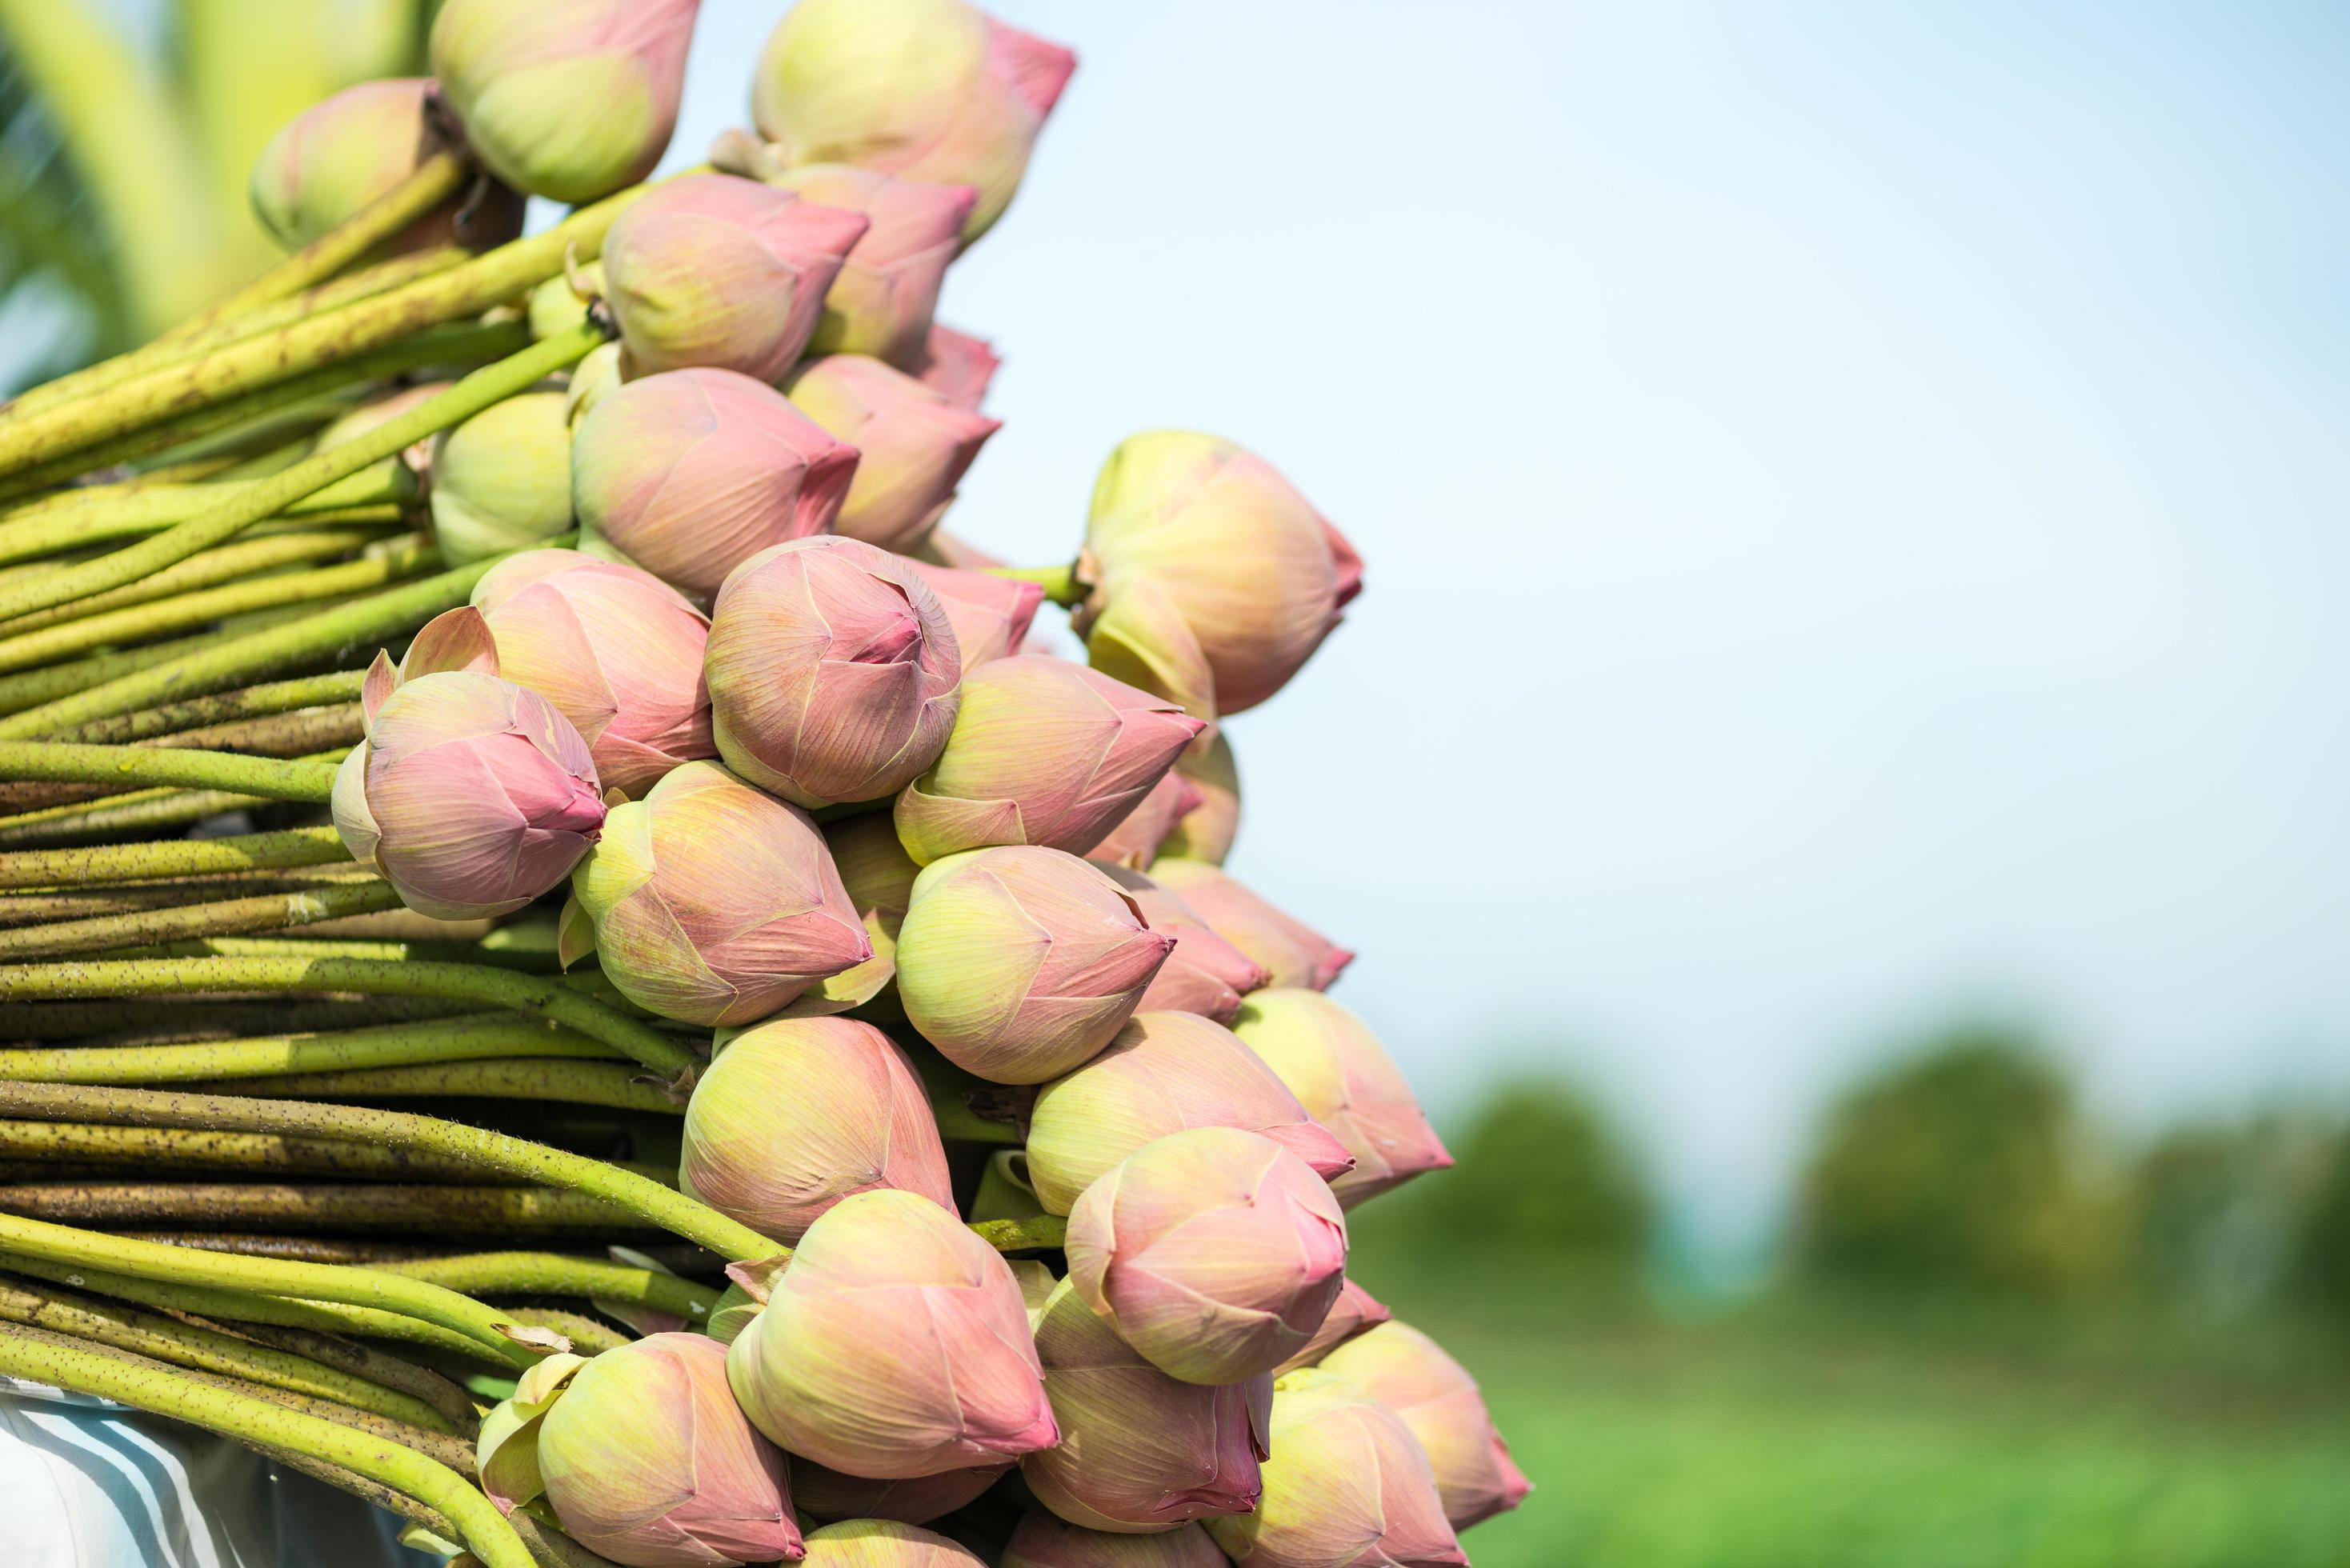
575 966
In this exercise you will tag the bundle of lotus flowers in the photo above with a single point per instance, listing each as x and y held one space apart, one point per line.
566 968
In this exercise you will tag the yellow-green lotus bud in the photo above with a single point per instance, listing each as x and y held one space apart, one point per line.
1046 1540
884 1544
336 157
1288 949
1411 1375
501 479
557 306
879 876
1020 963
1206 830
593 379
1345 1078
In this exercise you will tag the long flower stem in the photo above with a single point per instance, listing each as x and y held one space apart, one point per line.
555 1274
166 1393
1060 583
466 1039
266 912
72 522
439 1209
173 857
490 986
615 1085
116 1149
209 1350
71 762
300 733
269 496
427 1387
268 552
325 635
253 702
31 690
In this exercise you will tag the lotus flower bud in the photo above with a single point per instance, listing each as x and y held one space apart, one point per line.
833 671
1020 963
336 157
1341 1074
1165 1072
828 1494
796 1114
648 1460
1347 1484
501 479
914 444
1355 1311
1044 751
991 615
1212 579
884 1543
957 365
592 380
879 876
896 1344
1045 1541
710 270
1207 830
690 474
558 304
714 903
1139 1450
924 89
569 99
1134 842
615 649
881 302
379 411
1410 1373
1205 974
1292 952
471 795
1213 1251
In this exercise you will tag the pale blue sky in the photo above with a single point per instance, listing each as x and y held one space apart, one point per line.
1856 503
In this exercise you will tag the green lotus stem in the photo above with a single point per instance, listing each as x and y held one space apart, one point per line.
490 986
958 1123
40 908
646 1200
209 1350
266 912
72 522
70 761
166 1393
312 398
101 1144
272 1276
471 1038
422 1384
119 816
207 569
300 733
270 497
1041 1233
1060 583
556 1275
324 636
187 1022
32 690
438 1209
253 702
314 342
239 1307
294 944
615 1085
173 857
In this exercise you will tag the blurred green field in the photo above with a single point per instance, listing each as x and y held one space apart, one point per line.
1813 1436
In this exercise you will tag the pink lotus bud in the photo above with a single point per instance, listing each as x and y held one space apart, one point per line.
924 89
895 1345
796 1114
1347 1485
833 671
648 1460
1205 974
1410 1373
1339 1072
881 302
1134 842
711 270
957 365
615 649
471 795
501 479
714 903
1213 580
1020 963
1045 1541
1207 830
569 99
1292 952
336 157
1213 1251
884 1543
991 614
690 474
1044 751
1165 1072
1139 1450
825 1494
1355 1311
914 444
